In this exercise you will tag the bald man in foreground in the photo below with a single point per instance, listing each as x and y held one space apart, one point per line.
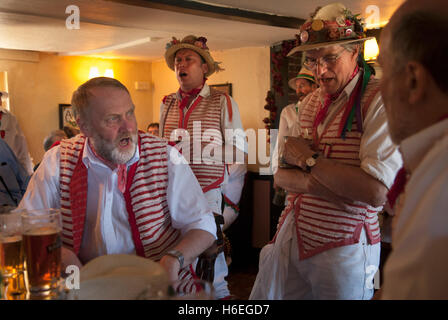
415 92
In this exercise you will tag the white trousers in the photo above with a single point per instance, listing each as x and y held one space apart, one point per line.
340 273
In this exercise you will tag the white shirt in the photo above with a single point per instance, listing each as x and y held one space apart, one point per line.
106 229
16 140
288 126
417 267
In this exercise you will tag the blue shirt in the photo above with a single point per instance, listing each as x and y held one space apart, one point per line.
13 177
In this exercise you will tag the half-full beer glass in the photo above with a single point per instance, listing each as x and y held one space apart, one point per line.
42 243
11 254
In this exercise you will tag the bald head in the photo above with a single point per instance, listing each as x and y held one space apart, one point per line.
417 32
414 85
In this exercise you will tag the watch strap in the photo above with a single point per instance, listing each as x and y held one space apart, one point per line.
177 254
314 156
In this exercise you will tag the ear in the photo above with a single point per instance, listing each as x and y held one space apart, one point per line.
205 68
84 127
355 53
417 79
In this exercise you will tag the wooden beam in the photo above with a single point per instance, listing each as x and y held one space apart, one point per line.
211 11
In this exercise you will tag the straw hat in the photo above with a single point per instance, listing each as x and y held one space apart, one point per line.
197 44
331 25
304 73
121 277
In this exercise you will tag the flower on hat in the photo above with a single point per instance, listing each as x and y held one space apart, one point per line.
171 43
330 23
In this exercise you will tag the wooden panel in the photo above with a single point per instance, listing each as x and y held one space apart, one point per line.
261 213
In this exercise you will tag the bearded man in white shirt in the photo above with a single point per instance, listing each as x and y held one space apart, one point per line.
121 190
415 91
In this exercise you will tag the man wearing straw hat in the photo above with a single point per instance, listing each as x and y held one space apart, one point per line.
202 117
327 244
303 84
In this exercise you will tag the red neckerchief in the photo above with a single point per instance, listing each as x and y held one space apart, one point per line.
329 98
187 97
122 170
398 187
401 179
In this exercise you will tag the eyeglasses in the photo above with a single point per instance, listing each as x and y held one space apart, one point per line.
328 60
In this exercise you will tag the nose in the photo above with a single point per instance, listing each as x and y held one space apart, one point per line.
180 63
128 124
321 68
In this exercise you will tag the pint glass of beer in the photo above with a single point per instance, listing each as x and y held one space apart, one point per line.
42 243
11 254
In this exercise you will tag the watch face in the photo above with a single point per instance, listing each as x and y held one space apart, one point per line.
310 162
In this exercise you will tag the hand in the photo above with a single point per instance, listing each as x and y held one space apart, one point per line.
171 266
68 258
296 151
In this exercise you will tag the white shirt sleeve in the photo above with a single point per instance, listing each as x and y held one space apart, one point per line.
379 156
43 189
238 138
188 206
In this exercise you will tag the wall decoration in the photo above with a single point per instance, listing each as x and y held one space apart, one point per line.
66 116
225 87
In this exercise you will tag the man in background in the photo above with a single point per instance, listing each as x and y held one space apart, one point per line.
11 133
153 128
195 107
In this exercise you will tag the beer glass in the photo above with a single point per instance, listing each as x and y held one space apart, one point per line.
11 254
42 244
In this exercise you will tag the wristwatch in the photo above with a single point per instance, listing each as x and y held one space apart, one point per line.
311 162
177 254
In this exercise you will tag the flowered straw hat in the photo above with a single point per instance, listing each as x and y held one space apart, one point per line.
331 25
199 45
304 73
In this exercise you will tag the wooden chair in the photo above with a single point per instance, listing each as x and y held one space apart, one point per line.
205 268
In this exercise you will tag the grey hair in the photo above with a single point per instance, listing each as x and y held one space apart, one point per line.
351 47
421 36
53 137
80 98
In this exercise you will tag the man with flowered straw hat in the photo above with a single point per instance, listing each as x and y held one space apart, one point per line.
327 244
200 116
303 84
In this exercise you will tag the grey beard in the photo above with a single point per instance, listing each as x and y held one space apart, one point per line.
110 152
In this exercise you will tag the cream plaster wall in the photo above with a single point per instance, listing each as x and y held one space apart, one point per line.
36 88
